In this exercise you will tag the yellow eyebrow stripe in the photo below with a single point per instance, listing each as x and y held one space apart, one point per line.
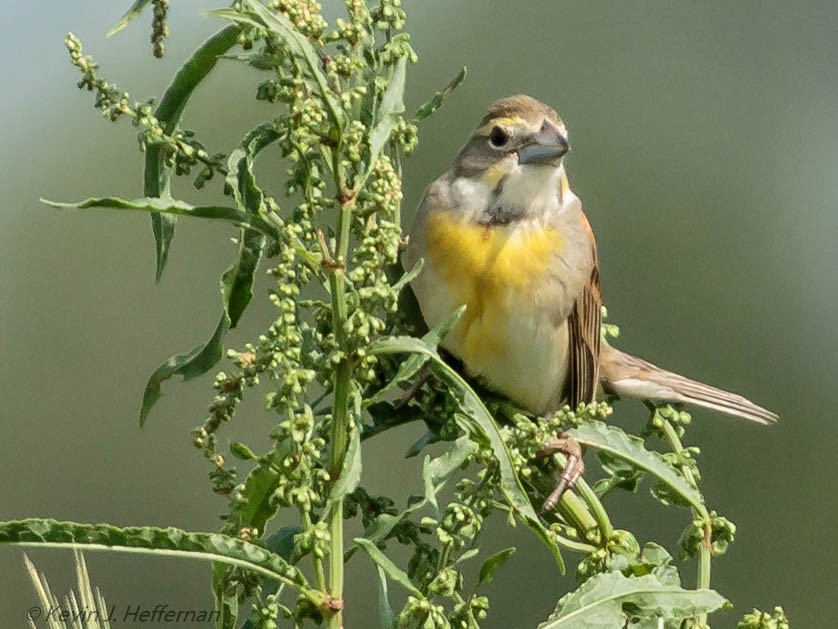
486 129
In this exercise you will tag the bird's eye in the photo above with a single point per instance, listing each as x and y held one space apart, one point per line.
498 137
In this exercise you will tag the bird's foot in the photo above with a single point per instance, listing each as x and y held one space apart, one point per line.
572 471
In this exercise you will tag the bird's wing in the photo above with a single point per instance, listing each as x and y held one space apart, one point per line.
584 331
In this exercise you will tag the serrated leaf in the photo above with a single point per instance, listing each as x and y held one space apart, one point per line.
492 563
481 427
157 172
602 601
132 13
632 449
386 564
438 99
152 541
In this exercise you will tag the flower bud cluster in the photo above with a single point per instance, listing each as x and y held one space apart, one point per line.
159 28
721 535
765 620
305 15
296 458
180 148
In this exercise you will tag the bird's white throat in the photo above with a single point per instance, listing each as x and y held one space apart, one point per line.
536 188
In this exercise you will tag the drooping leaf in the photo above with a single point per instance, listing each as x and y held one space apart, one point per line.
132 13
158 173
438 99
631 449
603 600
481 427
492 563
386 564
190 365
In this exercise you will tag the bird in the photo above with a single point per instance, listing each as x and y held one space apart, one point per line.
502 232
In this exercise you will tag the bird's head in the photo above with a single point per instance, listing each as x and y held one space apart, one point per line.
516 132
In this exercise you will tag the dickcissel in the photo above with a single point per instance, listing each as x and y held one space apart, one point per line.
502 232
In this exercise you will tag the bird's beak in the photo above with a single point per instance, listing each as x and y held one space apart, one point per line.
547 146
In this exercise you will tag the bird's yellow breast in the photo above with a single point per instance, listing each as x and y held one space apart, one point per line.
493 270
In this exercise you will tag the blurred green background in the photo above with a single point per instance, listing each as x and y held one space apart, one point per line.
705 149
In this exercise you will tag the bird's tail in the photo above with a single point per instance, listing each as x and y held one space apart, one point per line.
628 376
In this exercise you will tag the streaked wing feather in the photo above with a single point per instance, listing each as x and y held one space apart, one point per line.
584 327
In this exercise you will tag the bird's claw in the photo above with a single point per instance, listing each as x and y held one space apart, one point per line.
572 471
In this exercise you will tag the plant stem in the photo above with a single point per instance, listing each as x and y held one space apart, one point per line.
705 546
338 439
595 505
340 409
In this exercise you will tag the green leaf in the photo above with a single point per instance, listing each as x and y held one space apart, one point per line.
438 99
435 474
385 563
389 111
495 561
128 16
282 542
481 427
604 599
631 449
157 175
236 284
242 451
172 206
151 541
350 474
409 276
190 365
410 367
469 554
385 611
620 474
425 440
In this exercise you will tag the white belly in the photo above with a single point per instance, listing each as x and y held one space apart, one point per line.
513 346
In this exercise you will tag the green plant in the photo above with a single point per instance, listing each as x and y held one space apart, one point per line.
336 364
